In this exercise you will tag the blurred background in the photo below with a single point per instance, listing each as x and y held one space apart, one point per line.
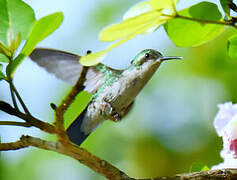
171 124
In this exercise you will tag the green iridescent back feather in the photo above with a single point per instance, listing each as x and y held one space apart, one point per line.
110 76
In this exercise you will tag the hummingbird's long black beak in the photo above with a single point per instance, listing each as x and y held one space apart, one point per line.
164 58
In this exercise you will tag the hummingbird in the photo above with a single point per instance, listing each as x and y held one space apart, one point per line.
113 91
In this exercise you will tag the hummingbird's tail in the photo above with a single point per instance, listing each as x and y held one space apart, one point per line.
74 131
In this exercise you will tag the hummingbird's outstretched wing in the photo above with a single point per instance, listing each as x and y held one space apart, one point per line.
66 66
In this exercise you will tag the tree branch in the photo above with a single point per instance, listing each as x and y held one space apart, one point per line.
228 174
103 167
71 150
62 108
13 145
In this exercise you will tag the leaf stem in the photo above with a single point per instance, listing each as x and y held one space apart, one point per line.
173 7
228 23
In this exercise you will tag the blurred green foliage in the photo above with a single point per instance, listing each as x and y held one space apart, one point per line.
212 61
232 46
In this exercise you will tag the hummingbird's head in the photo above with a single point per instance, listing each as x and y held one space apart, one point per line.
150 56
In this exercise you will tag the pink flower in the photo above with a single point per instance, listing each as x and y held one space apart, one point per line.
225 124
225 114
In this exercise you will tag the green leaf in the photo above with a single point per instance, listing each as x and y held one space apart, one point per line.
1 73
93 58
232 47
196 167
76 108
225 7
186 33
40 30
15 17
3 58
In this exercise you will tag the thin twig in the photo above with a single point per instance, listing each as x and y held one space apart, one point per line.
232 5
62 108
13 123
44 126
228 23
13 97
19 97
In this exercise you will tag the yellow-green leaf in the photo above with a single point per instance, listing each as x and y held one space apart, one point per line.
205 168
162 4
142 29
138 9
153 28
125 28
77 107
93 58
197 167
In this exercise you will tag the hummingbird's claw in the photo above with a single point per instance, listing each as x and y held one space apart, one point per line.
116 117
109 111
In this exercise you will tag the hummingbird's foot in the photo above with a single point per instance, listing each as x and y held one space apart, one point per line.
116 117
109 111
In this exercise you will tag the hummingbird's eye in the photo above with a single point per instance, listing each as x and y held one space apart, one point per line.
147 55
88 52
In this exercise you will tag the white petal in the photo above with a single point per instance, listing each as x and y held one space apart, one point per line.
225 114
